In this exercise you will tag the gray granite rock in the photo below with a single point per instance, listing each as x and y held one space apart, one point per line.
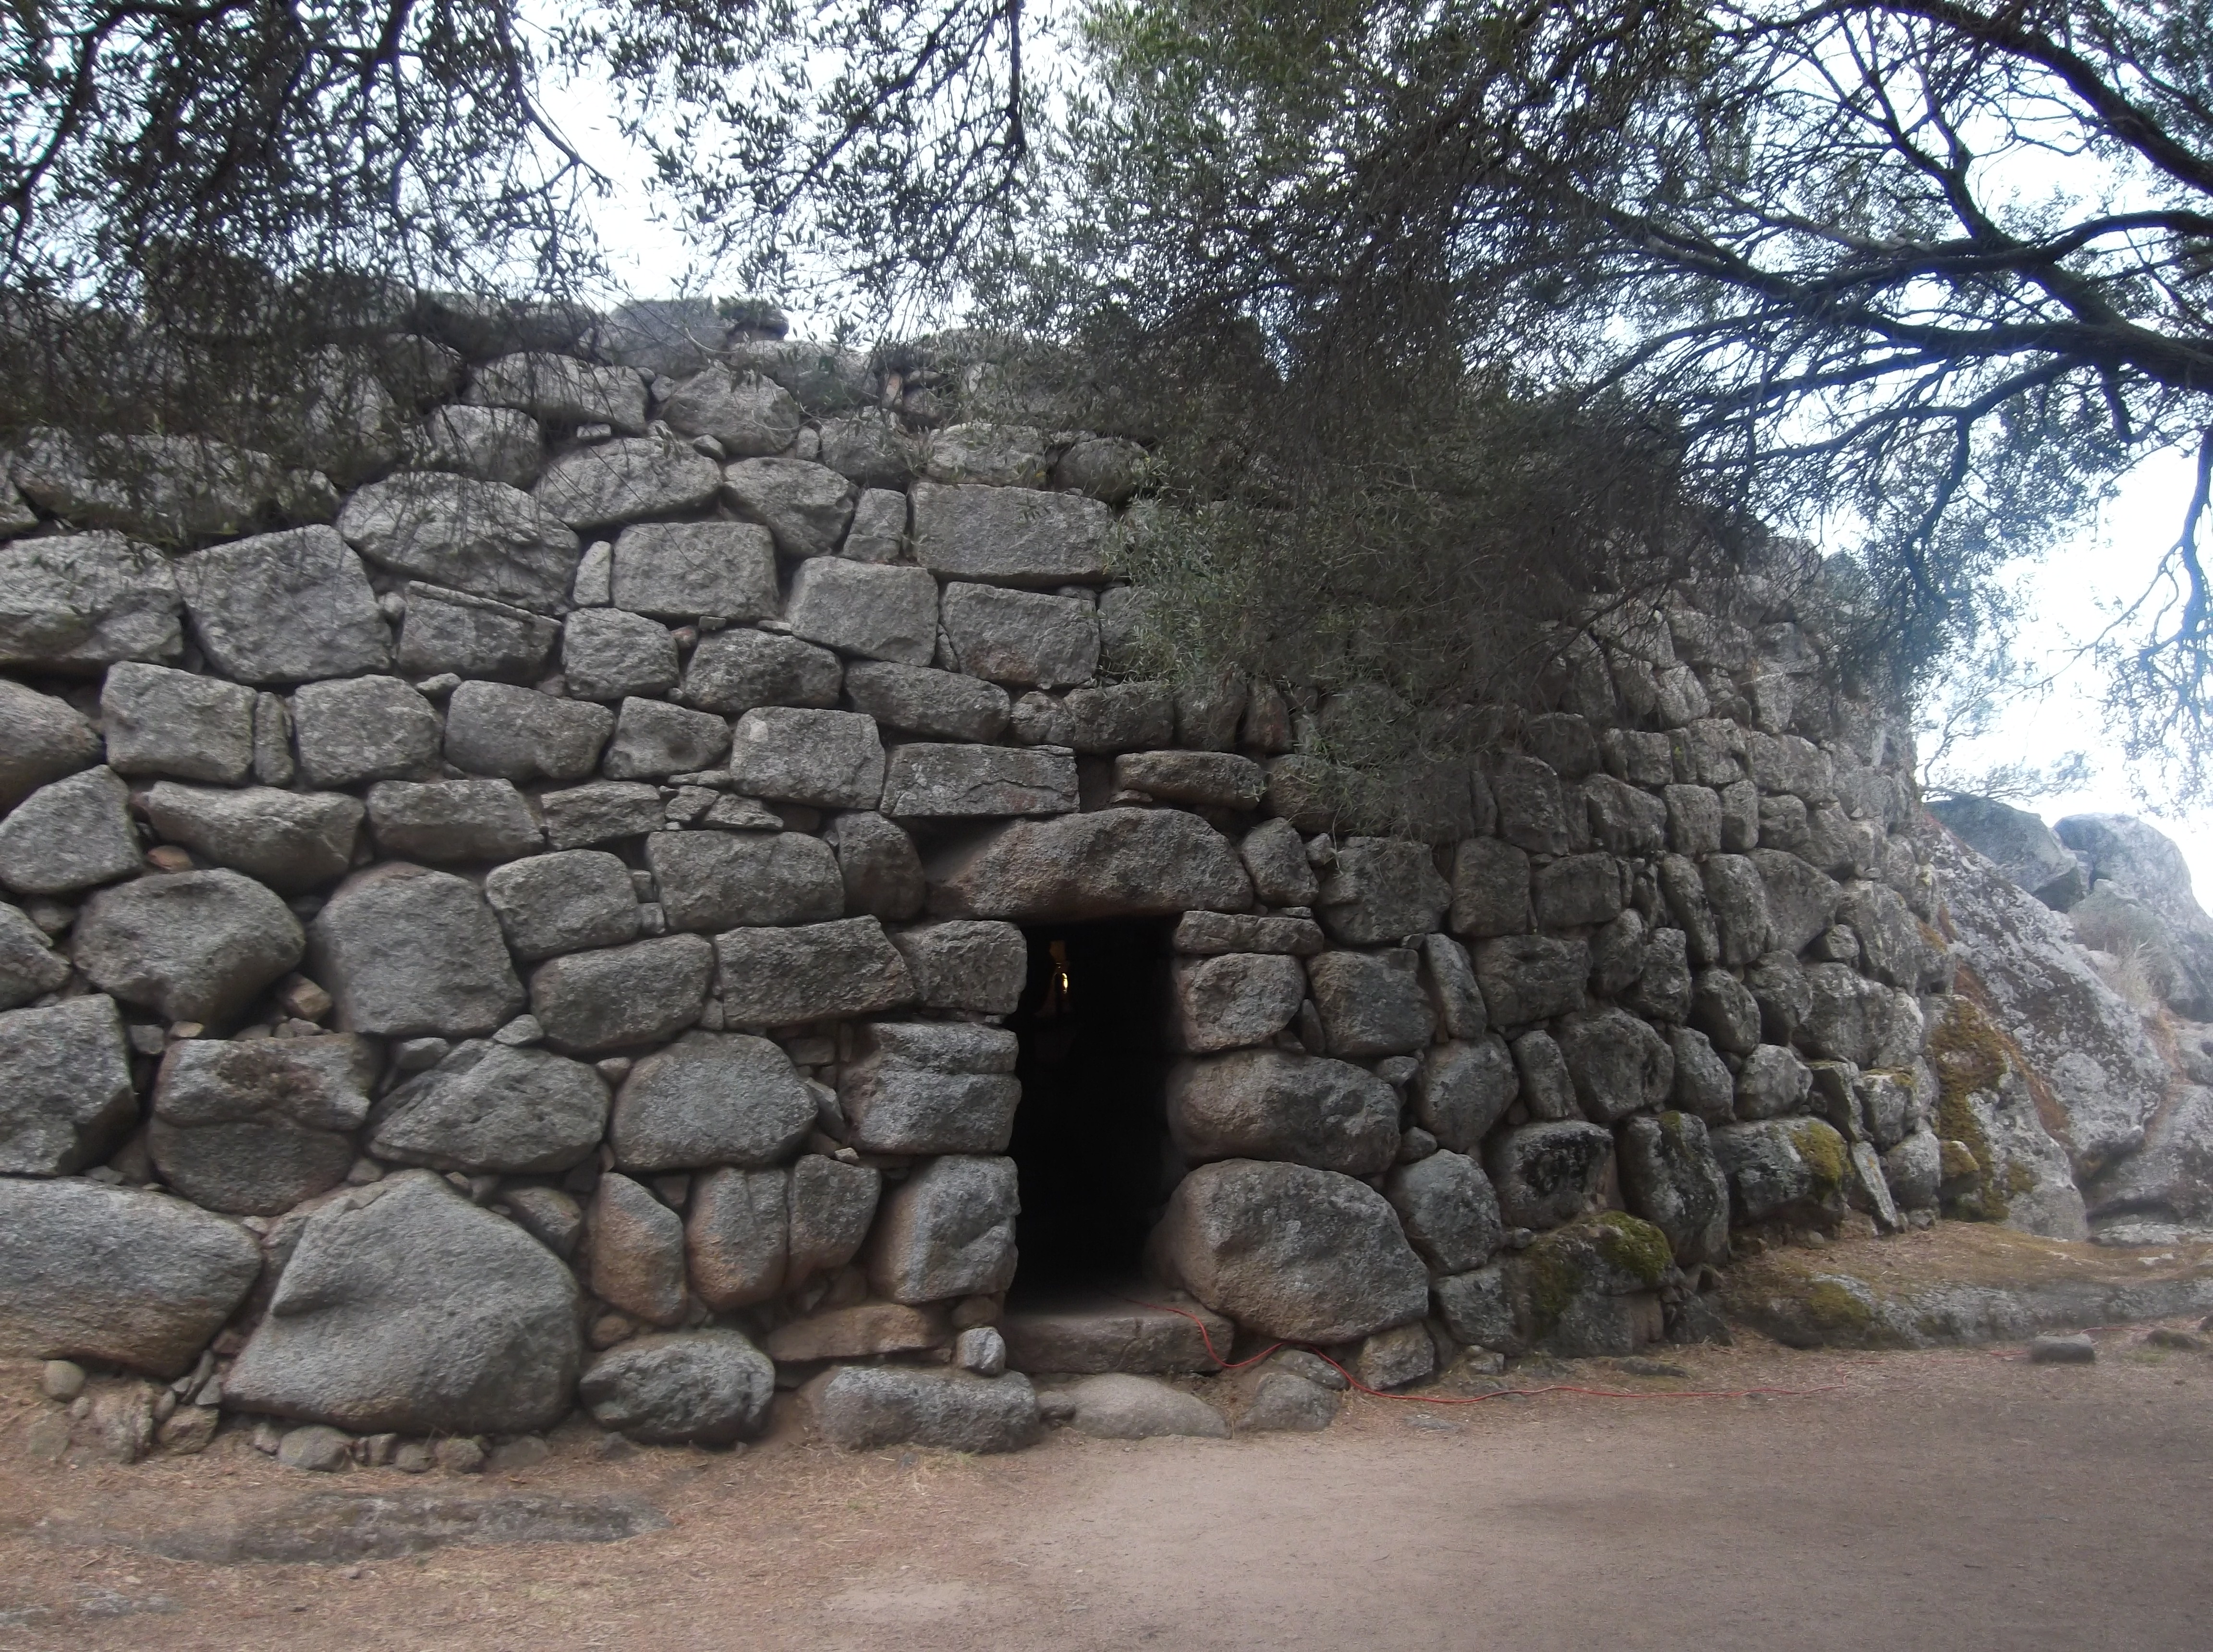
600 813
941 704
489 1108
1121 1406
66 1094
1531 978
1477 1308
1462 1089
30 967
1670 1177
1216 779
737 1236
559 389
1013 536
746 413
634 1261
452 820
930 1087
1289 1251
681 571
1233 1000
622 997
520 734
1022 637
473 636
1379 890
1210 934
878 861
712 880
1772 1083
570 901
833 1204
138 1280
1782 1165
158 721
1372 1002
68 835
653 739
1548 1174
42 739
484 538
404 951
364 729
77 602
1271 1104
499 444
291 841
865 1408
926 781
621 481
710 1098
879 529
1277 859
1618 1064
733 671
691 1387
948 1230
406 1309
830 759
822 972
806 506
964 964
611 654
1576 890
190 946
1115 862
1123 717
861 608
1490 889
284 608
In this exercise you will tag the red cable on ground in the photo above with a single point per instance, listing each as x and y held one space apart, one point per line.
1474 1399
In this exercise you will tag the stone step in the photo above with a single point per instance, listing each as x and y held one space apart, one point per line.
1088 1330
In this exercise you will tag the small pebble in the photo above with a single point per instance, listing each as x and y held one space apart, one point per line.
62 1380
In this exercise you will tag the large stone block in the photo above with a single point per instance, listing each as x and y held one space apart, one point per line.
1010 536
710 1098
1531 978
138 1280
1801 902
865 1408
681 571
1289 1251
746 413
1382 890
925 781
559 389
452 820
484 538
713 881
653 739
157 721
1372 1002
861 1332
1086 1331
1448 1209
567 902
254 1128
1854 1019
190 946
29 967
500 444
611 654
833 1204
1532 812
1783 1166
1618 1065
877 613
79 601
830 759
946 1231
963 964
1271 1104
1214 779
621 481
1548 1174
1276 859
733 671
600 813
634 1256
692 1387
489 1108
1124 717
66 1095
806 506
1577 891
1210 934
520 734
1022 637
622 996
405 952
941 704
363 728
70 835
42 739
1670 1177
822 972
1117 862
1489 889
930 1087
473 636
1463 1088
882 870
1233 1000
406 1309
737 1236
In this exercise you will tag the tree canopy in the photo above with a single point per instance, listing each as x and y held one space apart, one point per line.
1919 282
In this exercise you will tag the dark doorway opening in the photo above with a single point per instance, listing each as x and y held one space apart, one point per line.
1091 1141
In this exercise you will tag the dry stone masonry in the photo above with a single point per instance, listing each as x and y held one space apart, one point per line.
538 930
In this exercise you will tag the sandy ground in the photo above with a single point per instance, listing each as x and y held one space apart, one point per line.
1958 1500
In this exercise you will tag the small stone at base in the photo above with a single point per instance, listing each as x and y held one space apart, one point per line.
2077 1349
62 1380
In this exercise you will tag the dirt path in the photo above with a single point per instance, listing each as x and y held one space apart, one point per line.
1952 1500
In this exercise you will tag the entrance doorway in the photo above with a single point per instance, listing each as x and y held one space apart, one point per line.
1090 1140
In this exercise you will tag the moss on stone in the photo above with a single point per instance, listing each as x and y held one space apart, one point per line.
1634 1246
1833 1305
1969 1054
1824 1152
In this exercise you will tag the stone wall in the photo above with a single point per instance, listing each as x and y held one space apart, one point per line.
535 927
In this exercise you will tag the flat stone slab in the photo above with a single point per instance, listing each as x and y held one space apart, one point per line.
336 1527
1083 1332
